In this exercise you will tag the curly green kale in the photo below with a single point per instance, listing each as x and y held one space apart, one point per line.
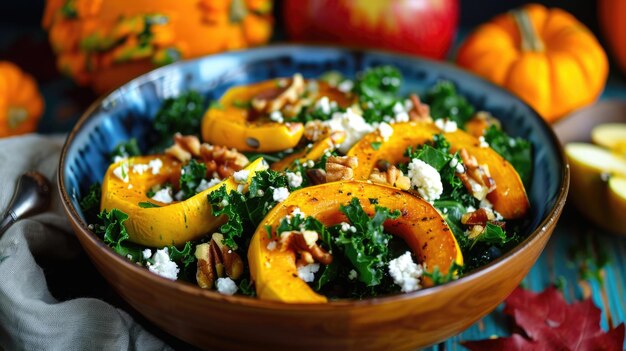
190 177
182 114
515 150
125 149
446 102
377 89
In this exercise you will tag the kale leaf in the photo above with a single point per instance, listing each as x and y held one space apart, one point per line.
111 229
90 202
445 102
181 114
515 150
191 176
125 149
366 248
494 235
377 89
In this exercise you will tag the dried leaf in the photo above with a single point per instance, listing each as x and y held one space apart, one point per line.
549 323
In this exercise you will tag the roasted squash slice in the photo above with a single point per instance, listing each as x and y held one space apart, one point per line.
169 224
509 198
314 153
234 123
423 229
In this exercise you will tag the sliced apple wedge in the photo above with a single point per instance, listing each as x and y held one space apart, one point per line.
591 167
611 136
617 204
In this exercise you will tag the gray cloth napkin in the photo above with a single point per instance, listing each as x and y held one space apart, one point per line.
30 317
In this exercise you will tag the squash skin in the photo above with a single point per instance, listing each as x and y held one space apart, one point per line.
420 225
231 126
21 104
171 224
509 198
316 152
569 73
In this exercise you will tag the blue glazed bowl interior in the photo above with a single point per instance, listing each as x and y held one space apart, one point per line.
127 111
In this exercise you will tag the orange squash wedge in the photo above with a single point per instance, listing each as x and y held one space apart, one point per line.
509 198
420 226
314 153
169 224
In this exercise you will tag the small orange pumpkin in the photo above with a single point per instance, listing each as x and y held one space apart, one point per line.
611 13
545 56
106 43
21 105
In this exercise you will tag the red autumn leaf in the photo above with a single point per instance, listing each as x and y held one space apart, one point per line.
549 323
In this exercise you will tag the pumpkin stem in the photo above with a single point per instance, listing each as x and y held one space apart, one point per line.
237 11
530 39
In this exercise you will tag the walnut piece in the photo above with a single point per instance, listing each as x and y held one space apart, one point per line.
476 178
392 176
420 112
481 216
340 168
276 99
315 130
214 260
305 245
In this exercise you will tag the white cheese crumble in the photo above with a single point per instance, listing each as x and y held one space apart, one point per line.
352 274
163 266
204 185
271 246
401 117
458 166
121 172
398 108
296 212
277 117
446 125
385 130
323 104
405 272
482 141
241 176
130 186
164 195
307 273
294 179
155 165
118 158
352 124
226 286
346 227
280 194
140 168
426 179
345 86
147 253
310 237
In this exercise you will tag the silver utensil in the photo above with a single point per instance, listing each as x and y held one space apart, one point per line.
32 196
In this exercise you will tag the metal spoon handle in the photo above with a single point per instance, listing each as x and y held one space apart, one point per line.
32 195
7 221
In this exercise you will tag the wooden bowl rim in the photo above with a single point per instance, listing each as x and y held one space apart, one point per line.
185 288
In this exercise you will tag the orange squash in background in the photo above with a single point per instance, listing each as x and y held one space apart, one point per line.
21 104
545 56
611 13
106 43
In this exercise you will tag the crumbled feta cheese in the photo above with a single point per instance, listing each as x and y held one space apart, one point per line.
323 104
385 130
482 141
204 185
446 125
426 179
352 274
130 186
164 195
352 124
117 158
296 212
260 192
398 108
309 164
454 162
470 209
405 272
408 105
162 265
140 168
271 246
241 188
310 237
277 117
294 179
147 253
345 86
155 165
241 176
180 195
401 117
460 168
307 273
121 172
226 286
346 227
280 194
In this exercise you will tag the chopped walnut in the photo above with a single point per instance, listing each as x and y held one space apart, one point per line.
315 130
222 160
475 231
481 216
392 176
304 243
316 176
276 99
340 168
420 112
476 178
214 260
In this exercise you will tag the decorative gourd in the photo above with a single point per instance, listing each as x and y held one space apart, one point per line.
545 56
106 43
21 105
168 224
611 13
423 229
234 123
509 197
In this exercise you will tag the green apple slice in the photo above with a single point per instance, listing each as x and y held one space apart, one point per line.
611 136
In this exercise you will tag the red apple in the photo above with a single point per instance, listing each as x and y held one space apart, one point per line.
421 27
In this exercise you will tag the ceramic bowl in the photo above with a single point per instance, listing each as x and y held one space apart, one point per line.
214 321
